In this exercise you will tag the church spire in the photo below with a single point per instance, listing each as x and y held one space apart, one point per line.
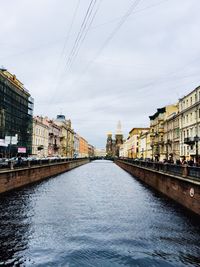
119 128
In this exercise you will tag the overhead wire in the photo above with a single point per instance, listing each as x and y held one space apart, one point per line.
80 32
86 32
79 40
69 32
91 29
112 34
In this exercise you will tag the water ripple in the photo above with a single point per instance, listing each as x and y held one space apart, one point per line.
95 215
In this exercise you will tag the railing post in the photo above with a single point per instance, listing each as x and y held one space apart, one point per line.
29 164
185 170
11 165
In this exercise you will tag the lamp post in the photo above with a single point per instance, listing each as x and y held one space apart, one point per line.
196 139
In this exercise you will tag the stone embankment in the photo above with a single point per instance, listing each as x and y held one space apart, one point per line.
173 181
17 177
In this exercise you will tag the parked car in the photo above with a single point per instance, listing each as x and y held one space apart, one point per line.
3 162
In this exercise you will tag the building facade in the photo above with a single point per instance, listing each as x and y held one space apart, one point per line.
83 147
67 136
113 145
110 145
144 145
189 123
91 149
76 145
16 111
157 131
134 135
54 138
100 152
40 141
118 139
172 137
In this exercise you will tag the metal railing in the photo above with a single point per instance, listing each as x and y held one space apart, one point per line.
37 162
179 170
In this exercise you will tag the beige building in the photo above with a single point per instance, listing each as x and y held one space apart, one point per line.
125 148
67 136
189 123
157 131
54 138
130 148
40 138
70 140
172 137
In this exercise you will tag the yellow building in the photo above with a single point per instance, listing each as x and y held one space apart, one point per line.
125 148
67 136
130 148
40 138
70 140
157 131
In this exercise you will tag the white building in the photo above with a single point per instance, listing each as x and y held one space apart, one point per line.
76 145
189 124
99 152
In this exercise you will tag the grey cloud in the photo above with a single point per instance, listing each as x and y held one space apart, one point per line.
151 61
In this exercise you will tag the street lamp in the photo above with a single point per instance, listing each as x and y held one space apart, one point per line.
196 139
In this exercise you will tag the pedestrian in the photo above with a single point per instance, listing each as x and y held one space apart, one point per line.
19 160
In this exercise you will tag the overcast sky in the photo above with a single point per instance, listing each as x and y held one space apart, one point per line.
134 57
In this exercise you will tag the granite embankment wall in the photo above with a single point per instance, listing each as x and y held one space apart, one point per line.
11 179
184 190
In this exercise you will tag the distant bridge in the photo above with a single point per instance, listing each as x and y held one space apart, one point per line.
102 158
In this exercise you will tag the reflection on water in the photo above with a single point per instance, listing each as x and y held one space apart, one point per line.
95 215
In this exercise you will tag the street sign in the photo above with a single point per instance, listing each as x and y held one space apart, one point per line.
3 143
11 140
21 150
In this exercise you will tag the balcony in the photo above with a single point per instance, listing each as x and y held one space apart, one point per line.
189 141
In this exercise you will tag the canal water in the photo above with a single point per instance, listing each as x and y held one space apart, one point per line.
95 215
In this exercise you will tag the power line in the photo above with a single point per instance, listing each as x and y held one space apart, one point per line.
80 33
29 50
69 31
112 34
86 32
